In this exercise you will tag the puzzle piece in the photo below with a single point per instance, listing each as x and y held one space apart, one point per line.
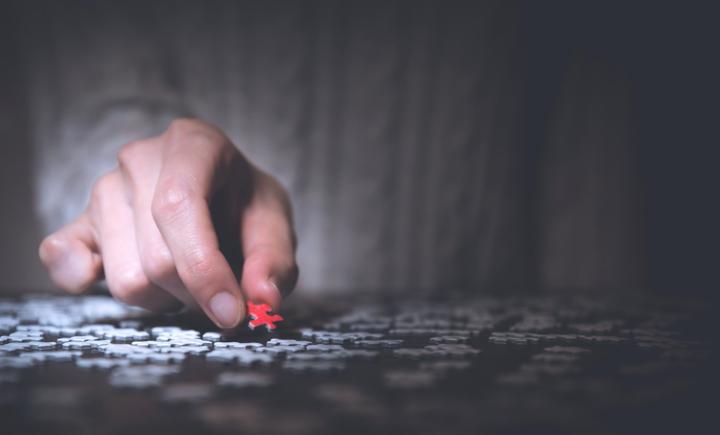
260 316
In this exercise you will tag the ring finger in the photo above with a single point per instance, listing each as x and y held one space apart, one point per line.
113 220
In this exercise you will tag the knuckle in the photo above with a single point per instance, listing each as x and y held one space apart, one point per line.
194 133
102 188
105 192
183 125
158 264
130 153
129 286
170 200
200 264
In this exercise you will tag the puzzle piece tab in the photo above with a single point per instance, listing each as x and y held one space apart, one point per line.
260 316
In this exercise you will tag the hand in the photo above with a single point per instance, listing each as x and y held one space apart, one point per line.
181 216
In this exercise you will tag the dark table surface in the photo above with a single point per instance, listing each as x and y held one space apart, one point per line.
486 365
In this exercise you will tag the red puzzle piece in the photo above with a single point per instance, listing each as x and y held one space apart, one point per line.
260 316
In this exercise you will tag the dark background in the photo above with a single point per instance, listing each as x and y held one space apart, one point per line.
665 53
667 49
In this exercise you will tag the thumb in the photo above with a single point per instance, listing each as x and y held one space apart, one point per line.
268 244
269 274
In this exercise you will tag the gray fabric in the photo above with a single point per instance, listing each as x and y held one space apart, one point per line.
398 129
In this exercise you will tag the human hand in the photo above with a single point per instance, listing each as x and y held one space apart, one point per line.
179 221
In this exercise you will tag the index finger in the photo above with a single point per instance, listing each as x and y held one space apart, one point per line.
195 162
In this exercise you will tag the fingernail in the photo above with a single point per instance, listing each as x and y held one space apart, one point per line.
225 308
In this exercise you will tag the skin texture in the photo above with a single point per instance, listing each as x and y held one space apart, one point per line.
184 219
